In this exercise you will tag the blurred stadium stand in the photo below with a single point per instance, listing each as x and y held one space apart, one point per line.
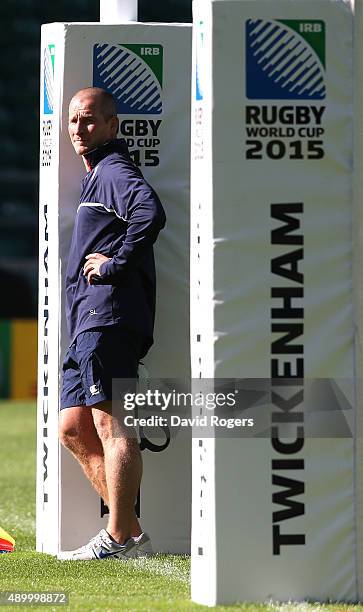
20 22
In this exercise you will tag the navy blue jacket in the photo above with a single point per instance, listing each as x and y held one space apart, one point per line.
120 216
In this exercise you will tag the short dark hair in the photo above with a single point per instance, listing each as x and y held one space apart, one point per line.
108 105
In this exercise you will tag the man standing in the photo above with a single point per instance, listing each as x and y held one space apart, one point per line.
110 288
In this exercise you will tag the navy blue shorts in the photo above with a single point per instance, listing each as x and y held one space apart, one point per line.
93 360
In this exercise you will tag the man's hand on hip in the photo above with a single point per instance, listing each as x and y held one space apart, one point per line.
93 264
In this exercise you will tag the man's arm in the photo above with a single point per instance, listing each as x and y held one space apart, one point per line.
145 218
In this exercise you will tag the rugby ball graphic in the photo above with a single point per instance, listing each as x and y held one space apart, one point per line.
130 79
281 63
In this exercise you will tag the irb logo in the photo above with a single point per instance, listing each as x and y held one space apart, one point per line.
285 59
150 50
313 27
133 73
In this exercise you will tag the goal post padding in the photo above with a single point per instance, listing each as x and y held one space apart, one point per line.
276 516
156 126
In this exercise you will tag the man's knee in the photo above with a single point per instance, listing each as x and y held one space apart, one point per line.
75 425
68 436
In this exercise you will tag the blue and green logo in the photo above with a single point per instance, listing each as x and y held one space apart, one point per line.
285 59
48 86
133 74
199 89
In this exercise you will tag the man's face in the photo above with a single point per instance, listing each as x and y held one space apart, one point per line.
87 126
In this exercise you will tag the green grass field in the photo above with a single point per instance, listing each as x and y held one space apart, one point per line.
160 583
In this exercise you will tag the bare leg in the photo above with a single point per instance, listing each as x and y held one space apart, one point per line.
78 433
123 469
